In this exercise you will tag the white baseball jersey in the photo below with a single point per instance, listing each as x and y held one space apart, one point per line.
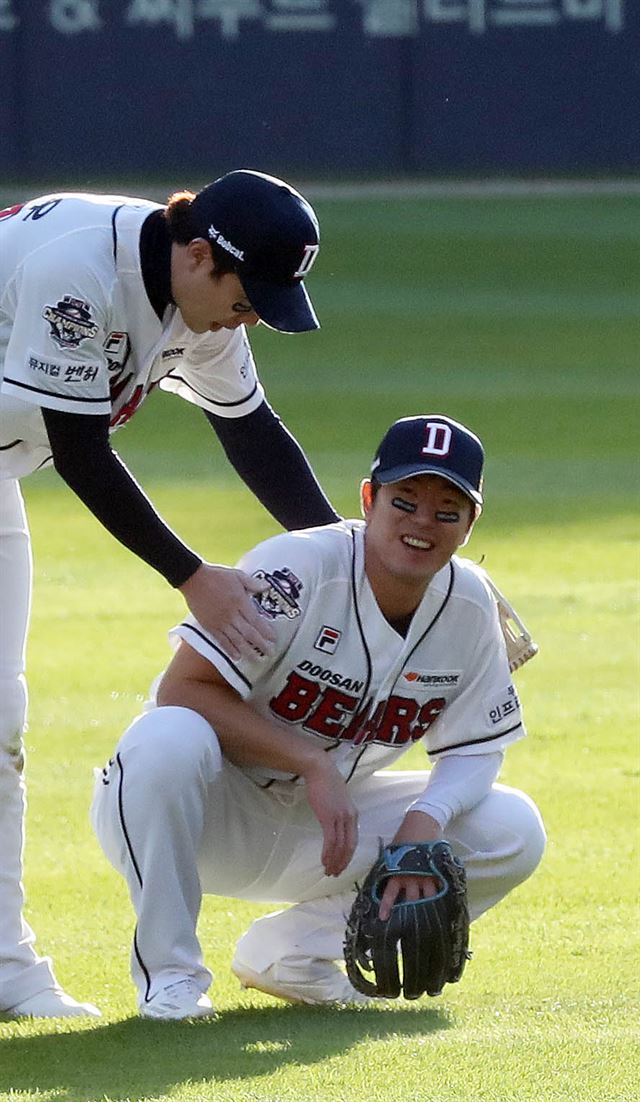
342 675
78 333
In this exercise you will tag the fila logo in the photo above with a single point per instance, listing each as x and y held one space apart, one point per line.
115 342
328 639
307 262
437 439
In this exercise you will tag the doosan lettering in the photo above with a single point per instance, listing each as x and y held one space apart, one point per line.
337 679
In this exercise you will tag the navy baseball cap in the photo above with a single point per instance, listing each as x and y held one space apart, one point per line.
432 444
273 234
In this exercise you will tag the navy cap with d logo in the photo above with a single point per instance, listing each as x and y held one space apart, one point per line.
272 233
432 444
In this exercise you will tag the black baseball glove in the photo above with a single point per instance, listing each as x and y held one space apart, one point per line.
432 932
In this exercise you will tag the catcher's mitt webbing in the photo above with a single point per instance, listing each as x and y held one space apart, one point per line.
431 933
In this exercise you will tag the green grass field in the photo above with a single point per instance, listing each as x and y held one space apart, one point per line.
521 318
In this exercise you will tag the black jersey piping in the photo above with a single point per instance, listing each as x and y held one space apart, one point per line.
435 618
425 633
363 638
52 394
124 825
364 698
143 967
419 642
474 741
205 639
114 233
136 868
13 444
213 402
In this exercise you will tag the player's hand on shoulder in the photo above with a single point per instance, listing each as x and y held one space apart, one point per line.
220 597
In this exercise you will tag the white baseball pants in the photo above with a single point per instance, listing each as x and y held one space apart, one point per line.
22 972
178 820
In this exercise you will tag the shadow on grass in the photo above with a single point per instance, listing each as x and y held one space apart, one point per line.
136 1058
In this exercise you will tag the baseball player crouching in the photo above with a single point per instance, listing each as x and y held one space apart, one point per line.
266 778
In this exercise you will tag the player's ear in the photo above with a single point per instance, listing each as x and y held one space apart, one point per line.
473 516
366 497
198 251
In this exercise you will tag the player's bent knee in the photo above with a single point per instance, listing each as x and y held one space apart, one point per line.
528 823
172 745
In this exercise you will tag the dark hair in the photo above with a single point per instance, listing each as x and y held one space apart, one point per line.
182 230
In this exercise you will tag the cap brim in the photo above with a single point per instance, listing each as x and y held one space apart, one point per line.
282 306
396 474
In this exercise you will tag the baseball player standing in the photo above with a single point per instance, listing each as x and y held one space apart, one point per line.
103 298
264 778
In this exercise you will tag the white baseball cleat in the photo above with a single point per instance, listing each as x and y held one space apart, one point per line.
301 980
178 1000
52 1003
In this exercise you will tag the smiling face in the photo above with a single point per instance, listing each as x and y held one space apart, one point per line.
207 301
413 528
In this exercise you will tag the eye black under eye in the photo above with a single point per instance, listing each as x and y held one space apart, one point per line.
448 518
402 503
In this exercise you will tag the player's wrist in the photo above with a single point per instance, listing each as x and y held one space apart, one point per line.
190 568
316 765
418 826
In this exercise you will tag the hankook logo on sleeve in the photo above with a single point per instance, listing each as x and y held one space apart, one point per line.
437 678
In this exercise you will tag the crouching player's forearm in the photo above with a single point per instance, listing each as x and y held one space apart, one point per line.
248 739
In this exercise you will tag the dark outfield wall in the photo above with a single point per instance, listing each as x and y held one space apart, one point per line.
322 87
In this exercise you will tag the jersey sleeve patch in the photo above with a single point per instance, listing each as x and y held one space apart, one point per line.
281 598
70 322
